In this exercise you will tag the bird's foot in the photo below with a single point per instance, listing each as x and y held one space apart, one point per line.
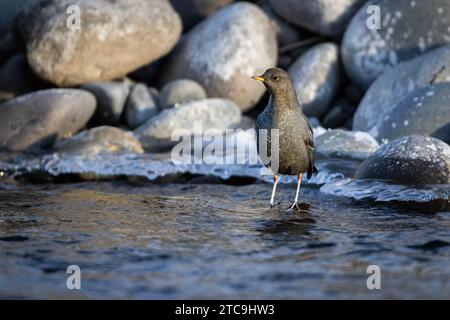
299 206
273 205
294 205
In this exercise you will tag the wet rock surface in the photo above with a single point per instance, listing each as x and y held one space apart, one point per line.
223 65
116 38
396 84
39 118
367 52
414 160
425 111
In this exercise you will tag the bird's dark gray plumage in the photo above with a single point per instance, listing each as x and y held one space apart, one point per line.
296 139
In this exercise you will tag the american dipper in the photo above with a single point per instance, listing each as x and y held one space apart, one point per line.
295 135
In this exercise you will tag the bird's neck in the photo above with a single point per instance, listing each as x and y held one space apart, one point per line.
285 98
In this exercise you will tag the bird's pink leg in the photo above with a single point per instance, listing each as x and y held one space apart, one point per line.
299 183
272 199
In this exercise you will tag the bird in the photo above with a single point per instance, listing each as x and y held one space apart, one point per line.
296 149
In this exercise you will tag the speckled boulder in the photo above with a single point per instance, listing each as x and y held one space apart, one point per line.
180 91
345 144
316 77
39 118
219 114
424 112
396 84
409 28
224 51
328 17
411 160
102 139
115 37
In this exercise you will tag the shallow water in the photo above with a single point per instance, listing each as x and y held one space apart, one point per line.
165 241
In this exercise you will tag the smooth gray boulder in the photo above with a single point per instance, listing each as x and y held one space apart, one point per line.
397 83
327 17
40 118
424 112
224 51
180 91
345 144
140 106
114 38
411 160
316 78
102 139
111 98
214 113
408 28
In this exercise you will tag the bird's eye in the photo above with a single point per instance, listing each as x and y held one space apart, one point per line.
276 78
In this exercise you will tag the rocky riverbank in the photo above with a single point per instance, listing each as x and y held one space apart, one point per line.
105 78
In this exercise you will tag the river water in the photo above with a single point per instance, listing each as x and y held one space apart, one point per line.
202 239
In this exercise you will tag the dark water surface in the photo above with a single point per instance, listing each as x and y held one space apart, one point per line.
214 241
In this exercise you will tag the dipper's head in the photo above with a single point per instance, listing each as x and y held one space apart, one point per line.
276 81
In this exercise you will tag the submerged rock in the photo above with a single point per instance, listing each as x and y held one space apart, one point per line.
180 91
114 38
328 17
224 51
97 140
396 84
140 106
425 112
412 160
316 78
408 28
345 144
111 98
39 118
193 11
216 113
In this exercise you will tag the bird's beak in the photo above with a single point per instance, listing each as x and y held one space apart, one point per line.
259 78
